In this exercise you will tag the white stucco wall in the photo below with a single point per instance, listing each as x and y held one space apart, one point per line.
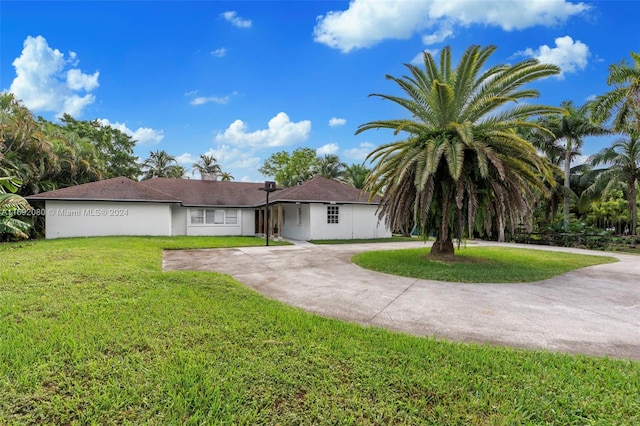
248 220
356 221
178 220
291 228
101 218
365 223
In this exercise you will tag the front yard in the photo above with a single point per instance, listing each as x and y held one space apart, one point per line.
92 331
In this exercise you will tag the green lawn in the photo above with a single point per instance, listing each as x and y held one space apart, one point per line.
478 264
92 331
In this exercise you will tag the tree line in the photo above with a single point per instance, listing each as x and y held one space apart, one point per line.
37 155
290 169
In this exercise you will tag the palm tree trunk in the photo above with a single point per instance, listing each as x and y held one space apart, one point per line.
554 209
443 246
633 207
500 228
567 183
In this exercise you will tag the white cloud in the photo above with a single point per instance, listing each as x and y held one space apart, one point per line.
201 100
231 159
506 14
281 131
366 23
77 80
579 159
439 36
186 159
330 148
219 53
337 122
234 157
232 17
570 56
44 81
360 152
143 135
148 136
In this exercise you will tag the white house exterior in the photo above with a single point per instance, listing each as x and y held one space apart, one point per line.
92 218
317 209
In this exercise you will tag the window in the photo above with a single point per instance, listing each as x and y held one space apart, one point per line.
214 216
299 216
231 217
333 214
197 216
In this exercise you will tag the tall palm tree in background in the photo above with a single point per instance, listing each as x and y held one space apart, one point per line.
355 175
177 172
208 167
78 160
623 101
622 161
329 166
563 139
226 177
463 163
159 164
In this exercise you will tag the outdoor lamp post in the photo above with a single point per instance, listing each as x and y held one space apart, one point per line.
269 186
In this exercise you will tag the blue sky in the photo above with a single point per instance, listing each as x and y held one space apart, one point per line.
242 80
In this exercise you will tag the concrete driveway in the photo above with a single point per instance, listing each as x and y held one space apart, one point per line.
593 311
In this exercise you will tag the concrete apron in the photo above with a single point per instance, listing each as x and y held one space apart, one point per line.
592 311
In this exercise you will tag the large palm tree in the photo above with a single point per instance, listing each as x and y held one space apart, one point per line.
622 162
564 139
623 101
329 166
463 163
159 164
208 167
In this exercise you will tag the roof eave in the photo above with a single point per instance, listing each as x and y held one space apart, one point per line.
118 200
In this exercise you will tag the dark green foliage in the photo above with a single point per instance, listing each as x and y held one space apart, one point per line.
463 166
290 169
115 147
161 165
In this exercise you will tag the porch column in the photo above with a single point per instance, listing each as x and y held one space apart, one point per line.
260 221
280 221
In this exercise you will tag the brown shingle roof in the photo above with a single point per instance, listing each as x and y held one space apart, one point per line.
321 189
209 193
115 189
199 193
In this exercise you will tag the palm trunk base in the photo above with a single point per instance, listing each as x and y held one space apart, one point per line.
442 249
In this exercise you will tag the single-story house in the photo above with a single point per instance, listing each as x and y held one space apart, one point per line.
317 209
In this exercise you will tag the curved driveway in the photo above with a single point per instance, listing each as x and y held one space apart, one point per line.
593 311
